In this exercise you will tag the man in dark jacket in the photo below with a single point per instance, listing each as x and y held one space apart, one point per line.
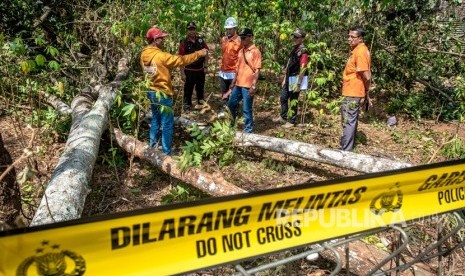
193 75
295 80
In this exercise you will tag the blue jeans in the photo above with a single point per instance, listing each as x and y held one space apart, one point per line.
238 94
349 120
163 119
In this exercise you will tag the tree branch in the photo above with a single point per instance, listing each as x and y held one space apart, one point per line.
441 52
425 83
43 17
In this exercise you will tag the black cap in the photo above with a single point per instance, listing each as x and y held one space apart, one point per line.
299 33
246 32
191 25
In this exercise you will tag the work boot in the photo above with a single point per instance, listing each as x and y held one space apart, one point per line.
279 120
187 108
288 125
200 105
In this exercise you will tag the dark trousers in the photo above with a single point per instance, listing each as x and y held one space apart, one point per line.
224 86
193 79
349 120
289 98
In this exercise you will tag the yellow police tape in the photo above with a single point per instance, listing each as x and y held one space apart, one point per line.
187 237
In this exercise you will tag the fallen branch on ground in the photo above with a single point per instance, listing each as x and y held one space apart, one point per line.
213 185
344 159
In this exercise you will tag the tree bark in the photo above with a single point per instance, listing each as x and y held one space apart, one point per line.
67 190
56 103
344 159
213 185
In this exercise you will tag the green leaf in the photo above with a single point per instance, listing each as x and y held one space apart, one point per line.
54 65
330 76
40 60
133 115
25 67
320 81
115 29
127 109
118 100
40 41
51 51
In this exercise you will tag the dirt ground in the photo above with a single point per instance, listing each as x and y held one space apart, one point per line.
121 184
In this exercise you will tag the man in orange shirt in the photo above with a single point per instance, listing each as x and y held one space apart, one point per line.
356 83
243 85
157 64
230 47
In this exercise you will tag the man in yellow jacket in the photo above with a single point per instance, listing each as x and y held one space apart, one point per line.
157 64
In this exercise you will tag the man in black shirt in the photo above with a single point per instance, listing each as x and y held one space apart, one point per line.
296 79
193 75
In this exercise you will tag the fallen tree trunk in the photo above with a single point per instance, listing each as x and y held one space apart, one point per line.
67 190
213 185
205 182
344 159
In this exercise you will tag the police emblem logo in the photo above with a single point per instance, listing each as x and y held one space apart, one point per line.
49 260
387 202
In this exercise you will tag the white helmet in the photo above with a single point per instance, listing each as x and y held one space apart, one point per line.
230 23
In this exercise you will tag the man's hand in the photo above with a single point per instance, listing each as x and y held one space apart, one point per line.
370 102
183 76
226 95
367 104
203 52
283 82
251 91
205 70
